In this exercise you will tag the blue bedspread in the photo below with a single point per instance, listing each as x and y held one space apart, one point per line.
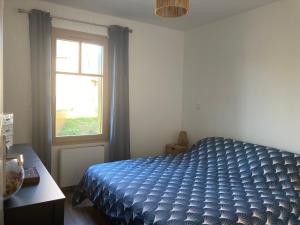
218 182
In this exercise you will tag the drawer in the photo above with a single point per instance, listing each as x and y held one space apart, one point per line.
41 214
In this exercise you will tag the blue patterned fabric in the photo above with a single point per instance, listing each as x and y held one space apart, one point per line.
218 182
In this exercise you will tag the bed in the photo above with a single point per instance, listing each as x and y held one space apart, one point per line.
217 182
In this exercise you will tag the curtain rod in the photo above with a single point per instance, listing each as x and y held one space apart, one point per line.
71 20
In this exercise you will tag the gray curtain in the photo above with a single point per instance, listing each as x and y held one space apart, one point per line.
40 45
119 148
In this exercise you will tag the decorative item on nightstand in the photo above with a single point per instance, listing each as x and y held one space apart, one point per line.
181 146
31 177
8 126
14 173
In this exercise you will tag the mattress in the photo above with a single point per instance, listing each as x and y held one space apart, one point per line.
218 182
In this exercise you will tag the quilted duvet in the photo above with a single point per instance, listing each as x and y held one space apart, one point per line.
218 182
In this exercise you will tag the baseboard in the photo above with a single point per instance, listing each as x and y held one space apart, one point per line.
68 189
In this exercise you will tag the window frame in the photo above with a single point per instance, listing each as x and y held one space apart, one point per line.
70 35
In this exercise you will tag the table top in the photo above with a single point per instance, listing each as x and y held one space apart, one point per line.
46 191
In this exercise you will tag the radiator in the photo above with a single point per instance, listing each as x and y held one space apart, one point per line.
74 161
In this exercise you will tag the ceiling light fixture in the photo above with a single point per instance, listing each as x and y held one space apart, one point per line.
171 8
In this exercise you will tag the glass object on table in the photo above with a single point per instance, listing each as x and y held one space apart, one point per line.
14 173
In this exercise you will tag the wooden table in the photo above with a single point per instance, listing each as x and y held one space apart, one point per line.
42 204
175 149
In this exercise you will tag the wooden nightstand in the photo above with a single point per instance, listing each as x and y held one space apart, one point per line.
175 149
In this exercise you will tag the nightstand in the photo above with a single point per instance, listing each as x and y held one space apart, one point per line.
41 204
175 149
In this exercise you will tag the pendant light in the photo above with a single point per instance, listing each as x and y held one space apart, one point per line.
171 8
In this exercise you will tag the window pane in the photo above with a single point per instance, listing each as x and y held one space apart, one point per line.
67 56
92 59
78 112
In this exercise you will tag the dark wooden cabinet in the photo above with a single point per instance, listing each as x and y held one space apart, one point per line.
41 204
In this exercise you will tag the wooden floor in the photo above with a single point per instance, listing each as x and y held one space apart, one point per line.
85 214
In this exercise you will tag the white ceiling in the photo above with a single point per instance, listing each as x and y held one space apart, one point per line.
201 11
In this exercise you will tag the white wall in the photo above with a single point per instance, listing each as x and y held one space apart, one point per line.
242 77
156 64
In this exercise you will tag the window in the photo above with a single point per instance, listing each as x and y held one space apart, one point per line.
80 109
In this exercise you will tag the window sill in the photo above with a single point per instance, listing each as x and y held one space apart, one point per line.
80 140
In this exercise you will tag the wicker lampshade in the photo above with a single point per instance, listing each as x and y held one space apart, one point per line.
171 8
